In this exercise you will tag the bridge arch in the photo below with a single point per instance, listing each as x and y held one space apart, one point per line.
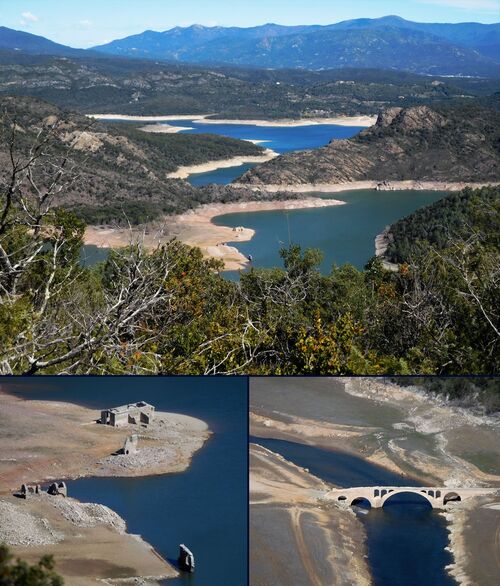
419 493
452 497
361 500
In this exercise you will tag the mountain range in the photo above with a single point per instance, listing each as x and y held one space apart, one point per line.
463 49
389 42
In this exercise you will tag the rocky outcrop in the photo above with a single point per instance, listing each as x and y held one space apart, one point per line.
417 143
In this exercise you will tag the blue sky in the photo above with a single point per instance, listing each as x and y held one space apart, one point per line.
83 23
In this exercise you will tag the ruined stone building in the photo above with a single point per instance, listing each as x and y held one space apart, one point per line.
133 413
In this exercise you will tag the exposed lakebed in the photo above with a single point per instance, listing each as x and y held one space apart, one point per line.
204 506
406 539
344 233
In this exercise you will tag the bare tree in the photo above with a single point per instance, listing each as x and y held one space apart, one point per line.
60 325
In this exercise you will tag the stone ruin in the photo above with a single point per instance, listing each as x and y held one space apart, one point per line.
55 489
130 445
140 413
186 559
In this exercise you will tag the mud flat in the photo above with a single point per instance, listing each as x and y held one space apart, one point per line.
286 122
354 185
399 428
406 431
41 441
293 539
164 128
474 541
196 228
119 117
88 541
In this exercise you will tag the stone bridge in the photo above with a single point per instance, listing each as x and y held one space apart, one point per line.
377 496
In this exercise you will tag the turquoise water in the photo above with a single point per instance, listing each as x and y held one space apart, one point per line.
91 255
345 234
406 539
205 507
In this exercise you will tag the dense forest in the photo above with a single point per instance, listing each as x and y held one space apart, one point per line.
128 86
459 214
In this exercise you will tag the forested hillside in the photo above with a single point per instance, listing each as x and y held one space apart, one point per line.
389 42
128 86
169 311
122 171
458 215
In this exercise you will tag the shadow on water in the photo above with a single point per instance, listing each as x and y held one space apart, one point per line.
204 507
406 539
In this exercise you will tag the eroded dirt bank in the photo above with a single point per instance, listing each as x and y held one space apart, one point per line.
293 538
406 431
43 441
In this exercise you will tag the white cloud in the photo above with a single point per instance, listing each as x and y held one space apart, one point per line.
86 23
29 17
493 5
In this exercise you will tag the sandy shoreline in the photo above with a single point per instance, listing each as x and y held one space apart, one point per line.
375 185
164 128
282 122
43 441
290 122
293 540
185 172
196 228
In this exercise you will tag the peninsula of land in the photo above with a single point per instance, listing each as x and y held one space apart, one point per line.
46 441
196 228
417 144
185 171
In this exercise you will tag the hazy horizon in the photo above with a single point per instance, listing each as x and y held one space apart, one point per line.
95 23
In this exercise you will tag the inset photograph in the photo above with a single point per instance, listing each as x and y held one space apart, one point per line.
125 480
358 481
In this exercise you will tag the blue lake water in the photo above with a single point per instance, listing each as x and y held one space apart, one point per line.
281 139
204 507
406 539
345 233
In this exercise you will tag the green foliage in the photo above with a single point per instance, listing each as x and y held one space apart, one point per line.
457 215
104 85
20 573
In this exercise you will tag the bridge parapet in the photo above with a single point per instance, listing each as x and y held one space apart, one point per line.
377 496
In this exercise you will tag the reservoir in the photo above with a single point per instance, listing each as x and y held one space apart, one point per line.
281 139
406 539
345 233
205 506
